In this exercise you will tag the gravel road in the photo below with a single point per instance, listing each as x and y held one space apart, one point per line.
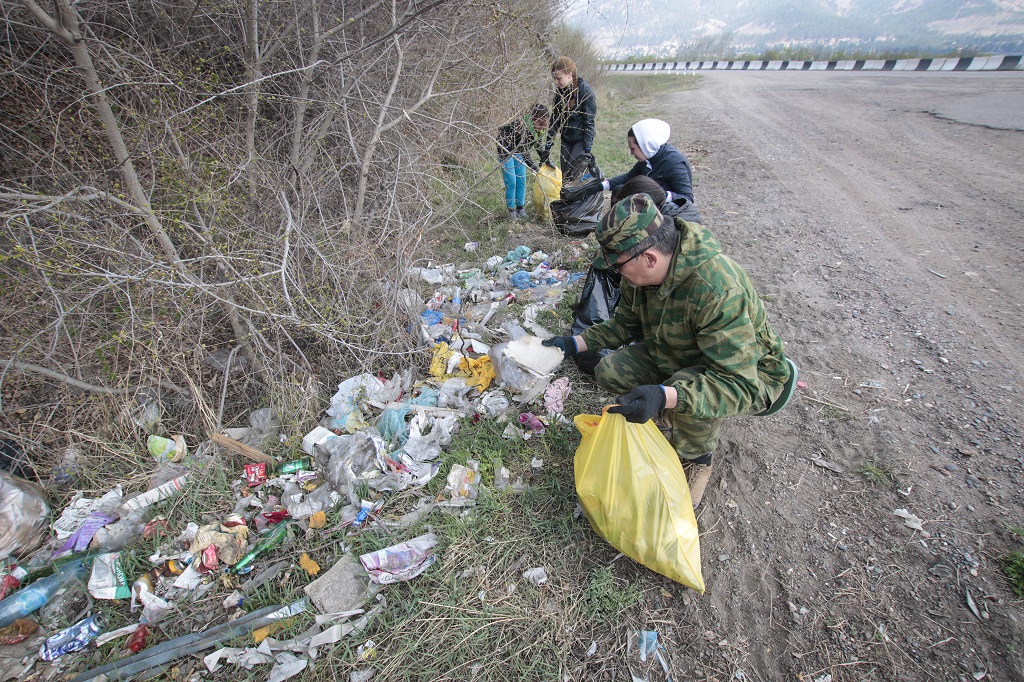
882 217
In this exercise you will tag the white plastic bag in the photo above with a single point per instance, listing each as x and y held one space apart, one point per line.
23 513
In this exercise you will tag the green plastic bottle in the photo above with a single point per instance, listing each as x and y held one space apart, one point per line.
269 542
303 464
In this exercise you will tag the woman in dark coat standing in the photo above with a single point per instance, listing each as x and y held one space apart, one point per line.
575 107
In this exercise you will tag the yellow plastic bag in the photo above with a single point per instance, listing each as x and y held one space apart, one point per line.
546 189
633 490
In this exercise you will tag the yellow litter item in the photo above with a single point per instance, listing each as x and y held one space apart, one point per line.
308 565
266 631
439 363
632 488
480 372
546 189
318 520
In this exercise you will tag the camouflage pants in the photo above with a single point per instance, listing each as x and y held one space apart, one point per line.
633 366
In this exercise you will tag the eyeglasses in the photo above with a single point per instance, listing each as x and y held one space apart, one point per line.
617 268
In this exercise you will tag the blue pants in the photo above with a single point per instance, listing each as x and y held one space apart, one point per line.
513 172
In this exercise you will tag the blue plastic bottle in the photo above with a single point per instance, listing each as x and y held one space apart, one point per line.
30 599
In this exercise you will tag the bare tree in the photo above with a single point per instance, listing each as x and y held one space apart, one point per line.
179 177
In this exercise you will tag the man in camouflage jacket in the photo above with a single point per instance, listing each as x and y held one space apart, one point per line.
704 349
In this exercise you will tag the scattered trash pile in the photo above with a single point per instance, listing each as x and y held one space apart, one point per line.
379 436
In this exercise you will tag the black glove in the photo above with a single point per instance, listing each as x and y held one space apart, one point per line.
571 194
641 404
566 343
531 164
544 153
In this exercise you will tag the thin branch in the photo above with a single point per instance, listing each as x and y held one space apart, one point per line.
14 363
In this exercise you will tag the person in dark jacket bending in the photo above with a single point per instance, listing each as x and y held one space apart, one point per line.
655 158
575 107
515 140
644 184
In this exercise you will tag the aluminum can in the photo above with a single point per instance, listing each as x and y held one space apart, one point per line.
70 639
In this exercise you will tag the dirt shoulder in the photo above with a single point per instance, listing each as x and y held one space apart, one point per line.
888 244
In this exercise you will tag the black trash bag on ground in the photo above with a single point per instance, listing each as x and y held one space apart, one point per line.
579 217
596 304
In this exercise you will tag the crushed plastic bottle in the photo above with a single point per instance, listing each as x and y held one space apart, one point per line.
30 599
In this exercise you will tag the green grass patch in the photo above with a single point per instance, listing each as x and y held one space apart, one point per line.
1013 569
877 473
607 597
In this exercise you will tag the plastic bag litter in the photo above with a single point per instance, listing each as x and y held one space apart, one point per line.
538 576
352 460
391 424
81 507
546 190
346 404
456 394
578 218
321 499
596 303
521 280
463 484
400 562
262 429
518 253
428 435
493 404
526 384
633 490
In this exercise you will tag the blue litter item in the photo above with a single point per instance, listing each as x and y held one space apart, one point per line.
431 316
521 280
392 424
427 397
574 277
517 253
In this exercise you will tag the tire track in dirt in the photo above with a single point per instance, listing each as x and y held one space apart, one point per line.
841 196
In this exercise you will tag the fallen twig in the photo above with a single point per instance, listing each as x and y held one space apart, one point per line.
825 402
241 448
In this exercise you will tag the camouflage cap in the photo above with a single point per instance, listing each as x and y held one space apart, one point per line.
630 222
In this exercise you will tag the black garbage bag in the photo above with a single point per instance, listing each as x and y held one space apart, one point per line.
578 218
596 304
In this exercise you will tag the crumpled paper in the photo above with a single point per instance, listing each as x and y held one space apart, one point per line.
230 541
555 394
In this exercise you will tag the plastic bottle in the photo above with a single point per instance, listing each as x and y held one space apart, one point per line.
137 642
30 599
290 467
273 539
59 563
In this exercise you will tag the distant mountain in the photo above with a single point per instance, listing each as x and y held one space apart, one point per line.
674 28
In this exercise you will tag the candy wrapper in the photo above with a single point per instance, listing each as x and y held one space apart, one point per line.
400 562
255 474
